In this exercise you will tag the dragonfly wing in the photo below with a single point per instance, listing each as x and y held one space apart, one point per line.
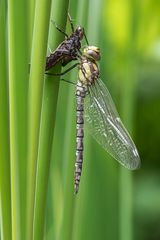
106 127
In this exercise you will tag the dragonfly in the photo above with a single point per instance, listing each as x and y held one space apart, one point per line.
95 107
69 49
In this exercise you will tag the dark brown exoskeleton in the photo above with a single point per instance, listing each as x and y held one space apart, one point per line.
69 49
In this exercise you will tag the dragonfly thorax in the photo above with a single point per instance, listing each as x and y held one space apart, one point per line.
88 72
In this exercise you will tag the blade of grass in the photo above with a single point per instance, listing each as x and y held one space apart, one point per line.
31 15
18 86
39 45
68 173
125 177
5 186
59 15
127 105
66 229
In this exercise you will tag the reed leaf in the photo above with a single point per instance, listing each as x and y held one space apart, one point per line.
36 82
5 185
18 86
50 96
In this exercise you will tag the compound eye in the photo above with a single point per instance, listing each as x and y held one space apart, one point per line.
92 52
95 55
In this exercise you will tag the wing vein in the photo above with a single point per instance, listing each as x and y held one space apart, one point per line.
106 127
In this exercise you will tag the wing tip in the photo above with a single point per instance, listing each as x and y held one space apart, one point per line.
135 164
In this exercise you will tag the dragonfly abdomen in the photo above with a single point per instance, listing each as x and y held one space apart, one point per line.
81 92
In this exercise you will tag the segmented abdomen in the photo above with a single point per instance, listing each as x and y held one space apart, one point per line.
80 95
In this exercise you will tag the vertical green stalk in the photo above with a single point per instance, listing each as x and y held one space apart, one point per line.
31 14
18 86
39 46
66 230
68 172
5 187
50 96
125 177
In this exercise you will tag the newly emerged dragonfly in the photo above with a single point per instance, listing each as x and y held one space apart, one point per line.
69 49
93 99
94 106
101 116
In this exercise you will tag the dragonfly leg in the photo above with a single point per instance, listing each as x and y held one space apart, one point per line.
60 30
62 73
67 81
71 22
86 38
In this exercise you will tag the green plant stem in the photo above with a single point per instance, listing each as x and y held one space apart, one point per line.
50 96
31 15
125 176
126 190
66 230
18 86
68 172
5 186
39 45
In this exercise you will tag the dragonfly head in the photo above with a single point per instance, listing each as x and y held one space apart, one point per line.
92 52
80 32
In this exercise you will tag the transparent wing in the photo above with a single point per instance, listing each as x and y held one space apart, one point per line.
106 127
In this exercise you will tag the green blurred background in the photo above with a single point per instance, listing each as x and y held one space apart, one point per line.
112 203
